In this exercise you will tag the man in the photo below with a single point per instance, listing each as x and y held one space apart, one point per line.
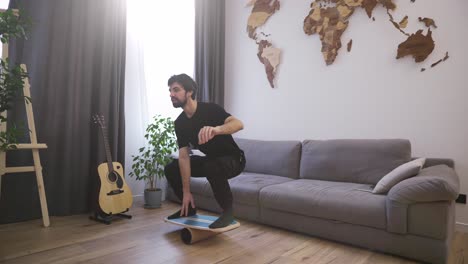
207 127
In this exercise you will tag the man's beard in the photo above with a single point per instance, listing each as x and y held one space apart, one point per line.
178 103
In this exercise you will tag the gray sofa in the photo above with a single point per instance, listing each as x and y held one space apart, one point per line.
324 188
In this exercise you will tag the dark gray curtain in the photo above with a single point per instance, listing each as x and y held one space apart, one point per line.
75 56
209 50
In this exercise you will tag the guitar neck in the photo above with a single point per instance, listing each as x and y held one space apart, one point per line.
107 147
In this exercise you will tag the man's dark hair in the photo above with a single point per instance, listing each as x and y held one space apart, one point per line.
186 81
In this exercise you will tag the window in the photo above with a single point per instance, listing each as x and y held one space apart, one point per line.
164 32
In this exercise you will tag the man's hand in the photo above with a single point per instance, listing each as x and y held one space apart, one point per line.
186 202
207 133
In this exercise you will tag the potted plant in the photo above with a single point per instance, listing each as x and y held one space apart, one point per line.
12 24
149 164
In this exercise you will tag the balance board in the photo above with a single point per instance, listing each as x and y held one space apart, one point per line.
196 227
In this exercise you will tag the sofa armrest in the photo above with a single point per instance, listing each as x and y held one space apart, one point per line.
436 183
432 184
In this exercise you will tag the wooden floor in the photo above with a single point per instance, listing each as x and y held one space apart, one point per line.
147 239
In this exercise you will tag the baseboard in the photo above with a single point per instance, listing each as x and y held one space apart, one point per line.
461 227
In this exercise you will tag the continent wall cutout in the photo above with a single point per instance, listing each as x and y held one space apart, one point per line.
268 55
330 18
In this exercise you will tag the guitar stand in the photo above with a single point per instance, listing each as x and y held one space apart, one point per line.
107 219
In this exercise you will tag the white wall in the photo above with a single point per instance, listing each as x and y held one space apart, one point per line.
366 93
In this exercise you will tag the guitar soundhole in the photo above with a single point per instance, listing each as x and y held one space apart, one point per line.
112 176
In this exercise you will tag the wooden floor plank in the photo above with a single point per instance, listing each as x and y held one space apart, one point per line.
459 250
147 239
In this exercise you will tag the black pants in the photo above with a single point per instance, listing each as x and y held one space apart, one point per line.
217 170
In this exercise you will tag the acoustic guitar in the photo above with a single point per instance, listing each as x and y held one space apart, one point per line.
115 196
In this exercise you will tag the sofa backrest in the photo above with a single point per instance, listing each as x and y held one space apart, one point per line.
279 158
352 160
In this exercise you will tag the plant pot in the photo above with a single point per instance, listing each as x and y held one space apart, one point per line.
153 198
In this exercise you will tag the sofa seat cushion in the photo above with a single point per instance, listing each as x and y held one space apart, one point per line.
340 201
245 187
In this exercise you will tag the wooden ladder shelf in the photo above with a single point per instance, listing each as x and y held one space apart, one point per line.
33 146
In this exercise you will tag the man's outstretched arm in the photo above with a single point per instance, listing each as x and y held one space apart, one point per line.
184 165
231 125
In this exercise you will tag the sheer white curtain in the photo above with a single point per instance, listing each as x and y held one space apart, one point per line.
4 4
160 43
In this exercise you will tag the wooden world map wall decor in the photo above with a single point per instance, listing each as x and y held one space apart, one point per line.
268 55
329 19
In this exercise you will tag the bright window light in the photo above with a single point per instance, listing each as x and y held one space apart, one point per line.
4 4
166 29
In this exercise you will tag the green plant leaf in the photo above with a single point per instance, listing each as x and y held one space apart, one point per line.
151 159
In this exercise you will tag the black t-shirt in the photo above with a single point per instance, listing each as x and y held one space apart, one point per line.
206 114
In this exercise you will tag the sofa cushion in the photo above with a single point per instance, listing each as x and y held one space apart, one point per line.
404 171
340 201
245 187
200 185
280 158
352 160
